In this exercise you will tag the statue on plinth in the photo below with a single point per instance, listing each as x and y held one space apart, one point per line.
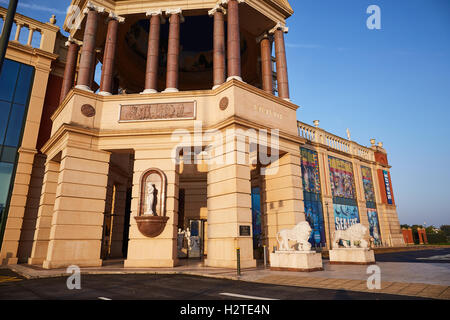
351 237
300 234
151 199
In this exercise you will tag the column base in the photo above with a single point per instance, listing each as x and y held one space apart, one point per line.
104 93
65 263
36 261
150 263
235 78
304 261
287 99
216 86
352 256
231 264
9 261
84 88
171 90
148 91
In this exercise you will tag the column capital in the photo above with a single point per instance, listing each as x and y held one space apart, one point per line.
279 26
158 12
92 7
224 2
217 8
172 11
265 35
114 16
72 40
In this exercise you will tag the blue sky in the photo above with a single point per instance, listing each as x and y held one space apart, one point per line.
391 84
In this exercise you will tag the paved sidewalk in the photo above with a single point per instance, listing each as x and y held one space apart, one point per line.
431 280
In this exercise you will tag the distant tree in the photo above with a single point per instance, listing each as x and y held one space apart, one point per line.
446 229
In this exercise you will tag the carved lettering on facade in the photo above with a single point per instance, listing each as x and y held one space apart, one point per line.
268 112
158 111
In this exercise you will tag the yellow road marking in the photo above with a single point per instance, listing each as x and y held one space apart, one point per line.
4 279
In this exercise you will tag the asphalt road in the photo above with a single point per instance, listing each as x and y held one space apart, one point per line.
425 256
169 287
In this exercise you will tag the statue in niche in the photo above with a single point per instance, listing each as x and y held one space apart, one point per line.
152 198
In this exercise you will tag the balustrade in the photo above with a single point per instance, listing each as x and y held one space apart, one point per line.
332 141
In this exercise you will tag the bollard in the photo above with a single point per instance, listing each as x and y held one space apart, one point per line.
238 253
265 257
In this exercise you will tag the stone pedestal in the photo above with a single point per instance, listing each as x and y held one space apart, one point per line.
352 256
305 261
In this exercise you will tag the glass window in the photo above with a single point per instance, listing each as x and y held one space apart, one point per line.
5 179
24 84
8 78
4 115
15 126
8 154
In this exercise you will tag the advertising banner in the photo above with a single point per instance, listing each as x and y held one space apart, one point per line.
387 184
374 226
345 216
369 191
341 178
256 218
314 215
310 171
312 196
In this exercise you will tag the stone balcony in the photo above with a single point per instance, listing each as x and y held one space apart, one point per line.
40 35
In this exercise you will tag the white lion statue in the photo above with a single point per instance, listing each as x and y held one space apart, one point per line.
300 234
353 234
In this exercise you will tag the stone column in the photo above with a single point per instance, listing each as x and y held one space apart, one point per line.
219 45
229 203
160 251
77 221
234 41
173 53
88 53
280 53
151 73
70 69
266 64
283 194
45 213
109 58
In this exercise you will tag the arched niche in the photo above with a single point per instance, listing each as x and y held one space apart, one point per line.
151 219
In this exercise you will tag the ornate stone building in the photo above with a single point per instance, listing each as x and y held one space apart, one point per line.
188 147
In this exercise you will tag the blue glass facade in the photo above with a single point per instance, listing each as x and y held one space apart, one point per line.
16 81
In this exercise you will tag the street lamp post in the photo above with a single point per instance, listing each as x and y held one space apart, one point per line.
7 26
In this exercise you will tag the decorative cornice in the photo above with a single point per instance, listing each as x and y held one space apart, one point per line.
224 2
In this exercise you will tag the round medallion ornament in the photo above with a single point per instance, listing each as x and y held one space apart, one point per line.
224 103
87 110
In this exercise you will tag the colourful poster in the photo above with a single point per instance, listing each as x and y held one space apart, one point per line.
310 171
387 184
256 218
345 216
312 196
369 191
341 178
374 226
314 215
